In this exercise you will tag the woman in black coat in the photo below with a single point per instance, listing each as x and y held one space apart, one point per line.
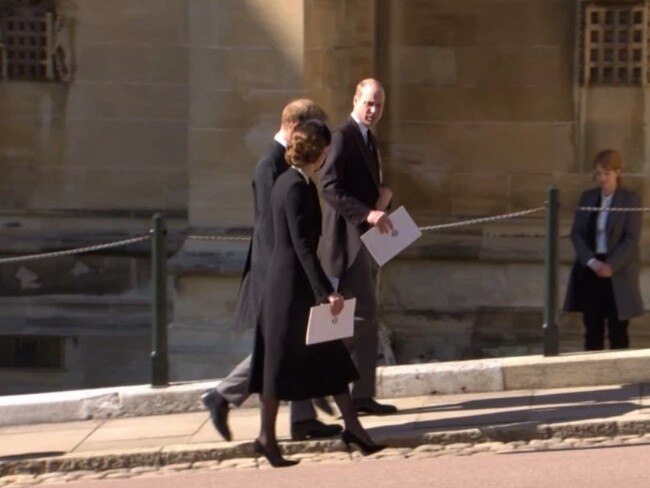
284 367
604 281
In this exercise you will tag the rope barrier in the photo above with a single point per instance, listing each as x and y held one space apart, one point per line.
427 228
614 209
483 220
79 250
133 240
219 238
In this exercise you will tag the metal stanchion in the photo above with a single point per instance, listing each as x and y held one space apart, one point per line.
159 362
551 339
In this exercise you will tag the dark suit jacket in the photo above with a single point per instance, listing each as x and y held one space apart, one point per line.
270 166
349 182
623 233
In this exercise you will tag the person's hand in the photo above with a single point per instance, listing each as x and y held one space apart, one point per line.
336 303
605 271
380 220
385 196
596 265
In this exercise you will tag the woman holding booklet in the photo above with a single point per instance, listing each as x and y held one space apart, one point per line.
283 366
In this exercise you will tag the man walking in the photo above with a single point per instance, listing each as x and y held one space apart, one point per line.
355 200
234 388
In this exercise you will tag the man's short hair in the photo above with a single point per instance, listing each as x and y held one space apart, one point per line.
364 83
300 110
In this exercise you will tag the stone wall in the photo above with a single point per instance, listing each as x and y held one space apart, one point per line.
87 162
119 128
172 103
246 60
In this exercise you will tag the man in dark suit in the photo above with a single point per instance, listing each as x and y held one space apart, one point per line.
234 389
355 200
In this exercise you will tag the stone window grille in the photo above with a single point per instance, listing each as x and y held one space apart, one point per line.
28 45
3 62
615 43
34 41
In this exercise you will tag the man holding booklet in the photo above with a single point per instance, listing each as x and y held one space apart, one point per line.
355 200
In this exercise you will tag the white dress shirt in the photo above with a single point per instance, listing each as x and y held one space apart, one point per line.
601 224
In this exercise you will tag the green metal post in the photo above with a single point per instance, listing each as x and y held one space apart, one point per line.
551 339
159 363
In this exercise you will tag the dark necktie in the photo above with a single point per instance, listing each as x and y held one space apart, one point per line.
369 141
371 147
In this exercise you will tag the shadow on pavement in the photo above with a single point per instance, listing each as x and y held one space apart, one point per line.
520 412
31 455
589 397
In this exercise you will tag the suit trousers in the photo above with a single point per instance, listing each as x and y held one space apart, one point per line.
234 388
360 281
599 305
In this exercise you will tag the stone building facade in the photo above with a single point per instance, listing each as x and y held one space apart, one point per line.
169 104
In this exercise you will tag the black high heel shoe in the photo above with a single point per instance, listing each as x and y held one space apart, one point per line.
275 460
365 448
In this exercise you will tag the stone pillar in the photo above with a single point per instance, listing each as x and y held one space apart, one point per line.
245 63
340 50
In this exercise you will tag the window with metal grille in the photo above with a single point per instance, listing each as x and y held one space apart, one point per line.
614 43
31 35
31 352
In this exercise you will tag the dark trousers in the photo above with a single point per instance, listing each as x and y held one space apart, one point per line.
599 305
360 281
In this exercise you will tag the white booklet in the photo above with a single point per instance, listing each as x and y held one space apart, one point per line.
323 326
384 247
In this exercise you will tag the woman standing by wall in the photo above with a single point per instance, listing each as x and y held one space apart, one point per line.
604 281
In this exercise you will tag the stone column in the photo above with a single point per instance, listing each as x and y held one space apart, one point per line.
340 50
245 63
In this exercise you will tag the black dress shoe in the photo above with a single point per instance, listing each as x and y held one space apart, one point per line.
218 407
313 429
371 407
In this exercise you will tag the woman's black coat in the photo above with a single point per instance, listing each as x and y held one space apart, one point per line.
284 367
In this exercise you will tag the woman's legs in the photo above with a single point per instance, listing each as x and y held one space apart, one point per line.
594 300
350 417
268 416
267 444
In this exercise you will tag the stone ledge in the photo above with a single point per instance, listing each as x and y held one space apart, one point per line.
480 375
576 369
440 378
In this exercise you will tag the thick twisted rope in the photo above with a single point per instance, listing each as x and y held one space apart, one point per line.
133 240
613 209
484 220
219 238
79 250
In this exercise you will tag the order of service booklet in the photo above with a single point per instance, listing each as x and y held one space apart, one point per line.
323 326
384 247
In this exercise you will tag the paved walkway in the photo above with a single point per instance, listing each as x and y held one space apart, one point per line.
437 420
